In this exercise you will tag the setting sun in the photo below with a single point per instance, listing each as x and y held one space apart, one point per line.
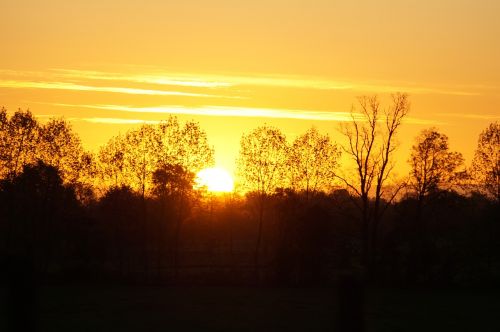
215 180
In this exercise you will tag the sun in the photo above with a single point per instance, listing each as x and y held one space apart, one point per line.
215 179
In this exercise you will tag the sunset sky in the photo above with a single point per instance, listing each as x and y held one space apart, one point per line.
108 66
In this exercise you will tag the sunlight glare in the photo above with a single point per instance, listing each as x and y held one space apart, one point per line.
215 180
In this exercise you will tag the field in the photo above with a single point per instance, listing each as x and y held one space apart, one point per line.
120 308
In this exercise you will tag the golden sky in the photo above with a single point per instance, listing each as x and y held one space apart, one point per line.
108 66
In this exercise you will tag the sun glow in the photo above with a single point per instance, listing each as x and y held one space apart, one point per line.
215 180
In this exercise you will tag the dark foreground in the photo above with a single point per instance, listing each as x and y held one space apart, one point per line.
124 308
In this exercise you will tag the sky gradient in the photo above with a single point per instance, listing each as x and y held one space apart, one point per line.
108 66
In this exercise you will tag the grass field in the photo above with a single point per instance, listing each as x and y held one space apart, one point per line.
120 308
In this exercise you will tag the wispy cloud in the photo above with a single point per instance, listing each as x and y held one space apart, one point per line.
227 111
164 79
99 119
287 81
79 87
472 116
228 81
118 121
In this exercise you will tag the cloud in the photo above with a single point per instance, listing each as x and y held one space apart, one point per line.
160 77
473 116
117 121
79 87
287 81
227 111
176 80
98 119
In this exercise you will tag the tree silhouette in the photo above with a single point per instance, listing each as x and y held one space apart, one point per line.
262 160
132 158
433 166
111 163
371 144
486 163
36 204
23 141
4 142
261 165
60 147
120 209
194 151
173 185
141 158
312 162
19 141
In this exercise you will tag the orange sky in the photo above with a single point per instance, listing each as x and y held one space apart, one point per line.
233 65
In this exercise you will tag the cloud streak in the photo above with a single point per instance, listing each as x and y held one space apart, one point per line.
124 90
286 81
472 116
227 111
168 79
228 81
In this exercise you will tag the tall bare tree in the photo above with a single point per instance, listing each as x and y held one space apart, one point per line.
371 136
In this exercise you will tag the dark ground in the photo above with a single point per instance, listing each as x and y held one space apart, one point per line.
125 308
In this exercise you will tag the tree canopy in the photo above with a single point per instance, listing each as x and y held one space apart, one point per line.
433 165
486 162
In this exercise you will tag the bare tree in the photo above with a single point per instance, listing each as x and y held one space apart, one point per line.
370 145
486 163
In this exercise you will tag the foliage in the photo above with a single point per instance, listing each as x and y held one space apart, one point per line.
262 160
312 162
433 166
133 158
19 138
486 163
172 180
24 141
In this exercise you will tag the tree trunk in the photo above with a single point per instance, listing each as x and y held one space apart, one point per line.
365 233
259 239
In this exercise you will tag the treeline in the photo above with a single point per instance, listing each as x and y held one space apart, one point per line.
126 160
130 212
